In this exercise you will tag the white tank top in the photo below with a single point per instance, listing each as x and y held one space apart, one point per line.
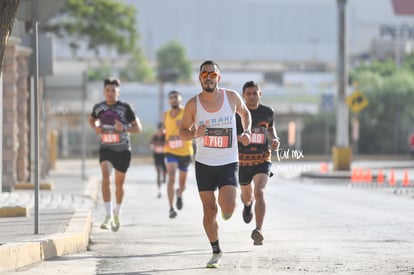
219 145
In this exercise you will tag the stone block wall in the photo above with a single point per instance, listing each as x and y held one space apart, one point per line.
15 116
23 152
10 142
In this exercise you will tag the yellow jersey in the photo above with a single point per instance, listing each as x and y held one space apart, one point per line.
173 142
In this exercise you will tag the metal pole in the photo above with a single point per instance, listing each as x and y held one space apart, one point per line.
35 113
342 132
83 122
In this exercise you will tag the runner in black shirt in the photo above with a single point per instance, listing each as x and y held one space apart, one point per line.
255 159
113 120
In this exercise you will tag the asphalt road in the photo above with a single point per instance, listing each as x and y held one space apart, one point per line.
311 227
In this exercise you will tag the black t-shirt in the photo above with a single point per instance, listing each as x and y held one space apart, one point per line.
258 151
107 114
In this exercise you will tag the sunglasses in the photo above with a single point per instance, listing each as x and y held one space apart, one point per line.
212 74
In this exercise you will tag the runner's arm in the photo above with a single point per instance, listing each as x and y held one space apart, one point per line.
92 123
243 111
245 117
272 135
135 126
187 129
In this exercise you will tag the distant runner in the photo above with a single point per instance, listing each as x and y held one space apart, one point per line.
256 158
113 120
157 146
178 152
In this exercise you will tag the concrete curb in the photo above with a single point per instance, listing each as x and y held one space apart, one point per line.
344 175
14 211
30 185
73 240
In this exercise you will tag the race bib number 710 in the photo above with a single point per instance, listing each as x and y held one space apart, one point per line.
218 138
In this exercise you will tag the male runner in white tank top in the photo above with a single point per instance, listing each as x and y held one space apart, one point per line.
209 117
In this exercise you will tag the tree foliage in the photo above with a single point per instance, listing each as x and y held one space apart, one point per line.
109 24
98 23
389 117
173 64
137 68
8 10
99 73
382 68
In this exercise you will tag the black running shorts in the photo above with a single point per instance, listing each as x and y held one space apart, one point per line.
246 173
120 160
209 178
159 160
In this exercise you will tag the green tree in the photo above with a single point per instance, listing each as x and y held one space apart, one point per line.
383 68
388 118
8 10
101 24
408 63
99 73
173 64
137 68
98 23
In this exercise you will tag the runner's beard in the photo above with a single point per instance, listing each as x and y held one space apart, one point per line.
209 89
175 107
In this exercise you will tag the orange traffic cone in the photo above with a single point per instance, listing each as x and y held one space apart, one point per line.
406 180
354 175
392 181
368 176
380 177
361 175
324 167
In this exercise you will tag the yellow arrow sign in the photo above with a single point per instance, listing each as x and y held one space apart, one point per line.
357 101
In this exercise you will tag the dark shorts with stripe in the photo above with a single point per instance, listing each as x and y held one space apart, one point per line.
209 178
246 173
120 160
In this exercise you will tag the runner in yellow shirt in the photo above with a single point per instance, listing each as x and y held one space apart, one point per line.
178 152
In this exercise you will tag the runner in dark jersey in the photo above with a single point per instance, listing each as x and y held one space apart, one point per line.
255 159
157 146
113 120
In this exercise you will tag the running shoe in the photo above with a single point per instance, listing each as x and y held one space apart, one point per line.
173 214
179 202
215 260
247 213
115 223
257 237
107 222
